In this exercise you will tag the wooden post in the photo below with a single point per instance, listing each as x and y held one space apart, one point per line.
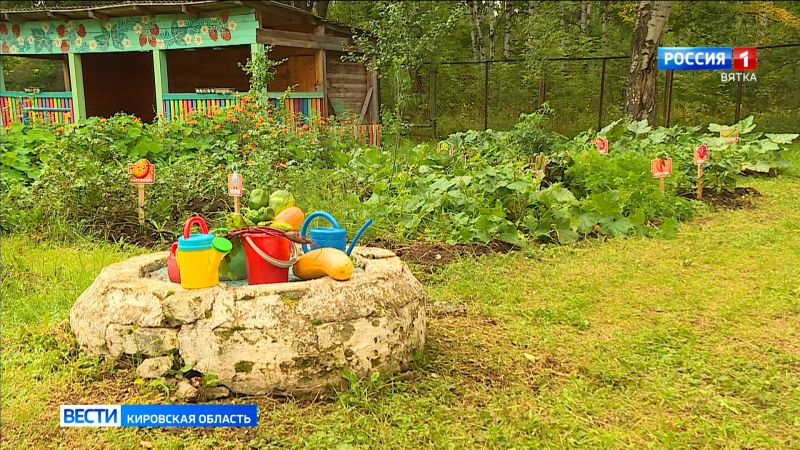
602 94
65 73
76 86
699 181
140 188
662 186
486 95
321 63
739 100
542 89
667 98
432 107
2 76
236 205
162 81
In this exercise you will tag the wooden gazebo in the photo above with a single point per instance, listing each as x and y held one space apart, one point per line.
162 58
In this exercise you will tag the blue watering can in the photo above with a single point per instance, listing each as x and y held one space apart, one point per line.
335 237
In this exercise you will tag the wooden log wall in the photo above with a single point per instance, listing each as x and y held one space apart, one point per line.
348 86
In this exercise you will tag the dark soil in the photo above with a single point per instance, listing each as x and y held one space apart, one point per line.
432 255
740 198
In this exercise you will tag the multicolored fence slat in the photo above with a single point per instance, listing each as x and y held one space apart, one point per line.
365 134
44 107
180 106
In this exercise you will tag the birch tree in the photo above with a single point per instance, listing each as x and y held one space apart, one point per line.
508 13
652 17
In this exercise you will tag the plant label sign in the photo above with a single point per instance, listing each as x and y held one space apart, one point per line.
602 145
700 154
661 167
142 172
445 146
235 184
729 134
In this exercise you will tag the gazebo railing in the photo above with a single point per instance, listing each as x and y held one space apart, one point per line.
303 106
26 107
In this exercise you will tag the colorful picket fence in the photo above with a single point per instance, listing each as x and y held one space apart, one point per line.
180 106
303 107
43 107
364 134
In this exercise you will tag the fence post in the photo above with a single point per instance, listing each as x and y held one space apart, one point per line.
432 108
542 87
485 95
602 94
667 98
739 100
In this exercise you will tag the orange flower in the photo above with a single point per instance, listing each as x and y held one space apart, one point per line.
269 119
192 122
60 129
283 130
103 119
305 126
234 119
245 136
218 126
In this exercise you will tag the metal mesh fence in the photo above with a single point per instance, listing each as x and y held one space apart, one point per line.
460 95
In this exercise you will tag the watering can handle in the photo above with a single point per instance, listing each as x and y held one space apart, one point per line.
311 217
358 235
194 220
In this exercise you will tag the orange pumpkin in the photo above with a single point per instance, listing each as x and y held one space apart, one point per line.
293 216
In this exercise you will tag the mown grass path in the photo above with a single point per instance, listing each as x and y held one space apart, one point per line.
690 342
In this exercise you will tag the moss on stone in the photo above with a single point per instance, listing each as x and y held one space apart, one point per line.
243 367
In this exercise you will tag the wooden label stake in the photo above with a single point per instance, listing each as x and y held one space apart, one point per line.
142 172
140 188
700 156
661 168
235 189
699 181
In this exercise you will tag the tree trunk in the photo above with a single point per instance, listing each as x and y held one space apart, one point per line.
491 17
476 29
584 20
648 32
508 10
603 18
321 8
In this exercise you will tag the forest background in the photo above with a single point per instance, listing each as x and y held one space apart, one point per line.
432 60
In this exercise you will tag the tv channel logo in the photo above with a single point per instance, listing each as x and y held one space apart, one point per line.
211 415
90 415
707 58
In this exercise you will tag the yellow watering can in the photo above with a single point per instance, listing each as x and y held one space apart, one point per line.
199 255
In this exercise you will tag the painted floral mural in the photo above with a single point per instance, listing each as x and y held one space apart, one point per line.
126 34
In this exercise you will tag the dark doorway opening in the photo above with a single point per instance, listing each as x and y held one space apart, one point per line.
119 82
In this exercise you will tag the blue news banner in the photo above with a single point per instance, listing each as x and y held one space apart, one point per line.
695 58
159 415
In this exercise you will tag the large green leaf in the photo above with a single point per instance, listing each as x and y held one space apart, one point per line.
782 138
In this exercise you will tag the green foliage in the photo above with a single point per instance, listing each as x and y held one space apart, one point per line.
487 190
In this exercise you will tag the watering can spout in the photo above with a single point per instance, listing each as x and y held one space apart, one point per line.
221 248
358 235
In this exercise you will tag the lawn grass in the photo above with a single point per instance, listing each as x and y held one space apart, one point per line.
689 342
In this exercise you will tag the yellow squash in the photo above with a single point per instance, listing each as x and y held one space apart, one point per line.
323 261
